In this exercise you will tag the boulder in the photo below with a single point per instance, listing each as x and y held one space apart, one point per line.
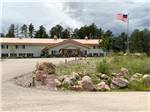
67 82
38 75
119 82
104 77
136 77
47 67
43 78
51 82
61 78
86 84
58 83
74 76
76 88
102 86
123 72
146 80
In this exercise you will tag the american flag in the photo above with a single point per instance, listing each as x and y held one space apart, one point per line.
122 17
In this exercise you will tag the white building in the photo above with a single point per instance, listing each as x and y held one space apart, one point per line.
27 47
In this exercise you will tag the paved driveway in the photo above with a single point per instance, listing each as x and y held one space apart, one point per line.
16 98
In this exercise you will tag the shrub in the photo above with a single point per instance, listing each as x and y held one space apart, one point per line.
103 67
138 86
45 52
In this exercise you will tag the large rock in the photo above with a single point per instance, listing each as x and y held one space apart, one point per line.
119 82
67 82
123 72
136 77
51 82
104 77
146 79
74 76
86 84
102 86
58 83
76 88
47 67
39 75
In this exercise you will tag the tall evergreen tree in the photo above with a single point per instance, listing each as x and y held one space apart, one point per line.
56 30
31 30
17 31
11 31
41 33
24 30
65 34
120 43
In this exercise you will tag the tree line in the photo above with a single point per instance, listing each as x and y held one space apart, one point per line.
138 41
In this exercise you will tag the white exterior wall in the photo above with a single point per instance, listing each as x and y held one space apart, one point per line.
98 51
68 46
36 50
72 46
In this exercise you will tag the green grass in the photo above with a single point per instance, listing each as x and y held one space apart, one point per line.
108 65
132 63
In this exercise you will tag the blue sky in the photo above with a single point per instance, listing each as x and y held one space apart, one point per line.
75 13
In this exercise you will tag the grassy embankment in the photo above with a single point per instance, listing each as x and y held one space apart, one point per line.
109 65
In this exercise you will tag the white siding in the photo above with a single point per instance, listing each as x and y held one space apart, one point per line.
68 46
36 50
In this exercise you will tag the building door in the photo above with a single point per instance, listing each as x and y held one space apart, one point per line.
70 52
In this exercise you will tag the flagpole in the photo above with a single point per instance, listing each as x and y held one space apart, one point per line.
128 50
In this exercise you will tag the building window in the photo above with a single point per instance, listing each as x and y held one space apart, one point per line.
29 54
23 46
95 54
101 54
4 46
13 55
4 55
53 52
94 47
22 54
20 46
16 46
85 52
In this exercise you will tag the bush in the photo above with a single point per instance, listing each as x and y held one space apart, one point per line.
138 86
45 53
103 67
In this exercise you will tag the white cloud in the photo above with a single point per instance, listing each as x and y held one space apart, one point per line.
74 14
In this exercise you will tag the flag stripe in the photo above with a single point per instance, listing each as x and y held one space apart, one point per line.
122 17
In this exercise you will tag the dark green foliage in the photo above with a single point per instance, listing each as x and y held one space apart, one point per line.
24 30
41 33
56 30
120 43
103 67
138 86
31 30
45 52
91 31
140 41
65 34
11 31
106 44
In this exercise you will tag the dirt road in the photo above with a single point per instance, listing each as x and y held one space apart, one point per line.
15 98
